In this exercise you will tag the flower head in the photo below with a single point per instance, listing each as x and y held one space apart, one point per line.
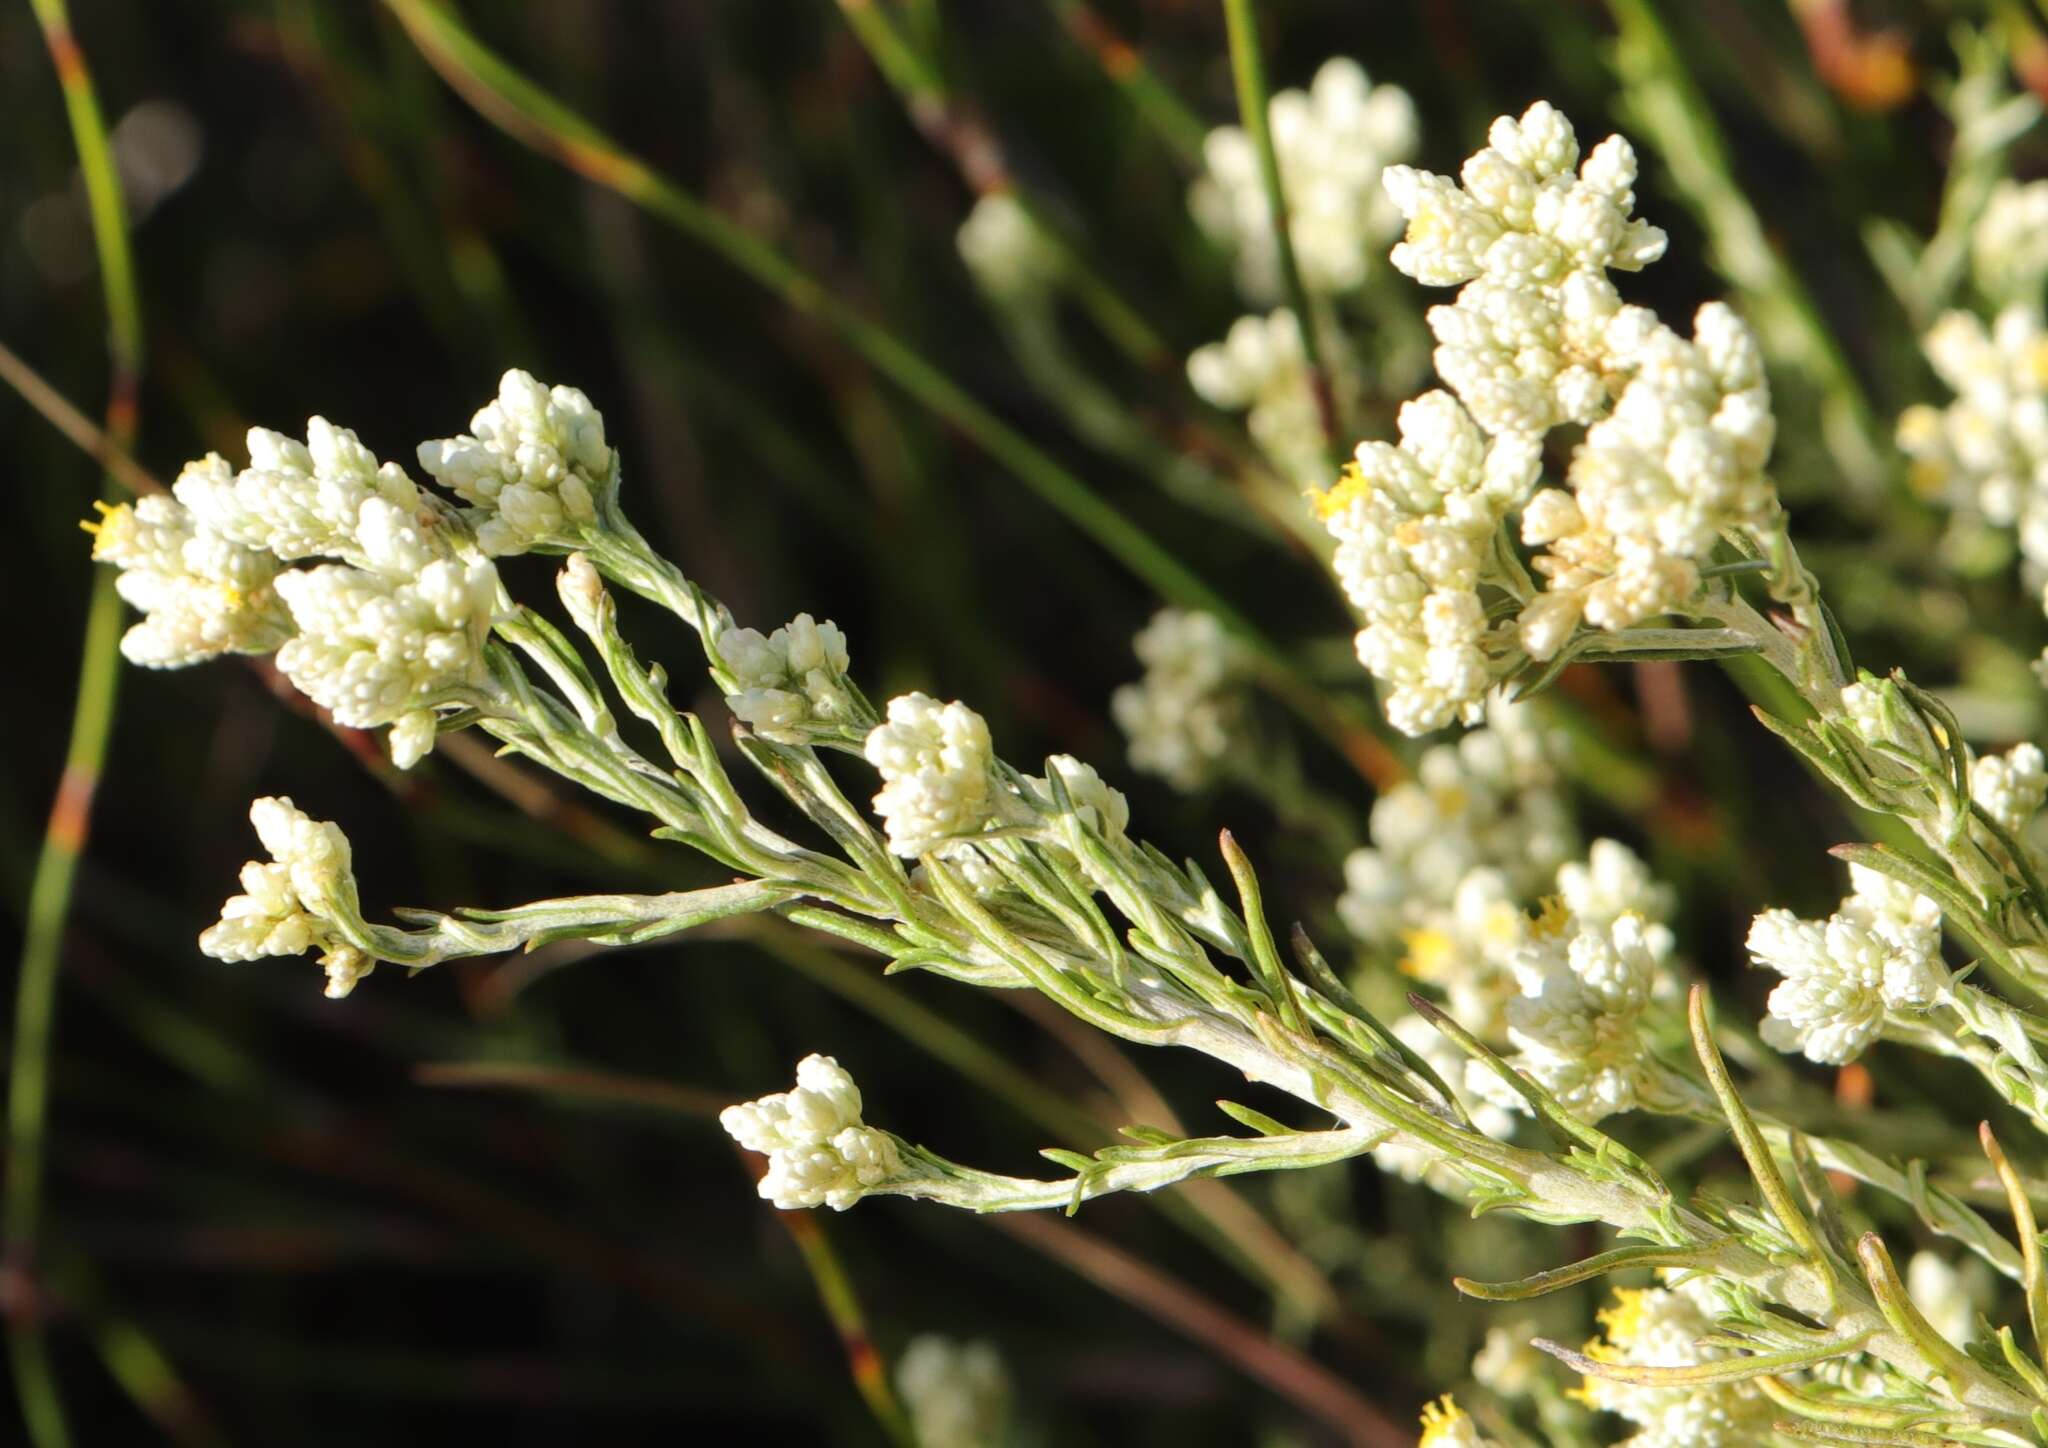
1415 526
1332 142
1183 717
1878 954
935 761
531 464
819 1153
790 683
1446 1425
1005 250
301 499
1261 370
1577 1025
1663 1327
201 594
297 901
2010 786
1095 803
374 650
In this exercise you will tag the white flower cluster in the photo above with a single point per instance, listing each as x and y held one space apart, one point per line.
935 761
1663 1327
1008 254
1880 952
1481 824
200 594
1678 430
1677 462
1186 714
2010 786
1459 854
530 464
1577 1026
1530 242
383 637
789 683
1261 370
290 905
1415 526
957 1394
819 1153
301 499
394 630
2009 243
374 649
1331 142
1985 455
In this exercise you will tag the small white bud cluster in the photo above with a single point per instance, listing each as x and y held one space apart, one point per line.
1008 255
956 1393
819 1153
1331 142
1261 370
1577 1026
1186 714
935 760
1524 344
2009 243
1486 806
300 499
1664 1327
1097 805
1985 455
1656 482
200 594
393 631
375 649
531 464
290 905
2011 786
1879 953
1538 336
1415 527
791 683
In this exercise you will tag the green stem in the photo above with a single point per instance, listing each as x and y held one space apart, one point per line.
1248 67
49 905
958 131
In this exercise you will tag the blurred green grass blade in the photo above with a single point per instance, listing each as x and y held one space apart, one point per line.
49 904
1176 123
1248 68
532 116
957 129
842 1306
